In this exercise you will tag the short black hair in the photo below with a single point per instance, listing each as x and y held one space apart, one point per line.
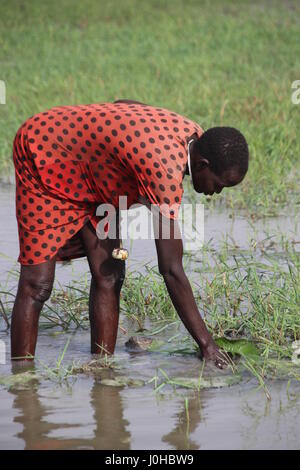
224 148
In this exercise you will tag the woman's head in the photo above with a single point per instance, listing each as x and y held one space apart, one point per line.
219 158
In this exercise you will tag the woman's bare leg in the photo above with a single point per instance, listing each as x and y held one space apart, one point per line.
107 278
35 286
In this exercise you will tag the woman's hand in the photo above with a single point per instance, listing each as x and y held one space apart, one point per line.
220 358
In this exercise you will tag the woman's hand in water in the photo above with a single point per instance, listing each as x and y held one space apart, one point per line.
220 358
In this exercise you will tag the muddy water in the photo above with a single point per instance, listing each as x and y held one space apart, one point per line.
85 414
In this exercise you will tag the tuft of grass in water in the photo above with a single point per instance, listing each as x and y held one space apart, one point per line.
143 50
68 307
144 295
61 373
96 365
58 373
245 297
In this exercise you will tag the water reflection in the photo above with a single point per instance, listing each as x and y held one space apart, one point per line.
46 427
89 415
187 421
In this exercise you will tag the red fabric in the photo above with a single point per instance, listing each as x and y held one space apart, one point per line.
70 159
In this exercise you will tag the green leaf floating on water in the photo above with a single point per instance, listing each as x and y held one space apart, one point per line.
122 382
242 347
18 380
205 382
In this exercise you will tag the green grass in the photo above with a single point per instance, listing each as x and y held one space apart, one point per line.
219 63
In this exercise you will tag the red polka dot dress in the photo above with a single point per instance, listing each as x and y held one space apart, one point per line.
70 159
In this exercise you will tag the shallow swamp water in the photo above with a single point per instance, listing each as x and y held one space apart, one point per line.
88 411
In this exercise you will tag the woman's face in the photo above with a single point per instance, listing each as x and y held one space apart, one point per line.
207 182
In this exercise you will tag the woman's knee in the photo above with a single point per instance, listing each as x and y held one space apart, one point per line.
37 281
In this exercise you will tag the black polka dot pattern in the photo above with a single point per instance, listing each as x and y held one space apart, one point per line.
70 159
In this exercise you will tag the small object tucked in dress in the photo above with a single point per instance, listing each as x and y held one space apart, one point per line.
120 253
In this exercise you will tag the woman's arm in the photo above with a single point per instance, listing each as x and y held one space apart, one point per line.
169 254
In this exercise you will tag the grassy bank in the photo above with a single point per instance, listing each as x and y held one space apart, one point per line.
220 63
